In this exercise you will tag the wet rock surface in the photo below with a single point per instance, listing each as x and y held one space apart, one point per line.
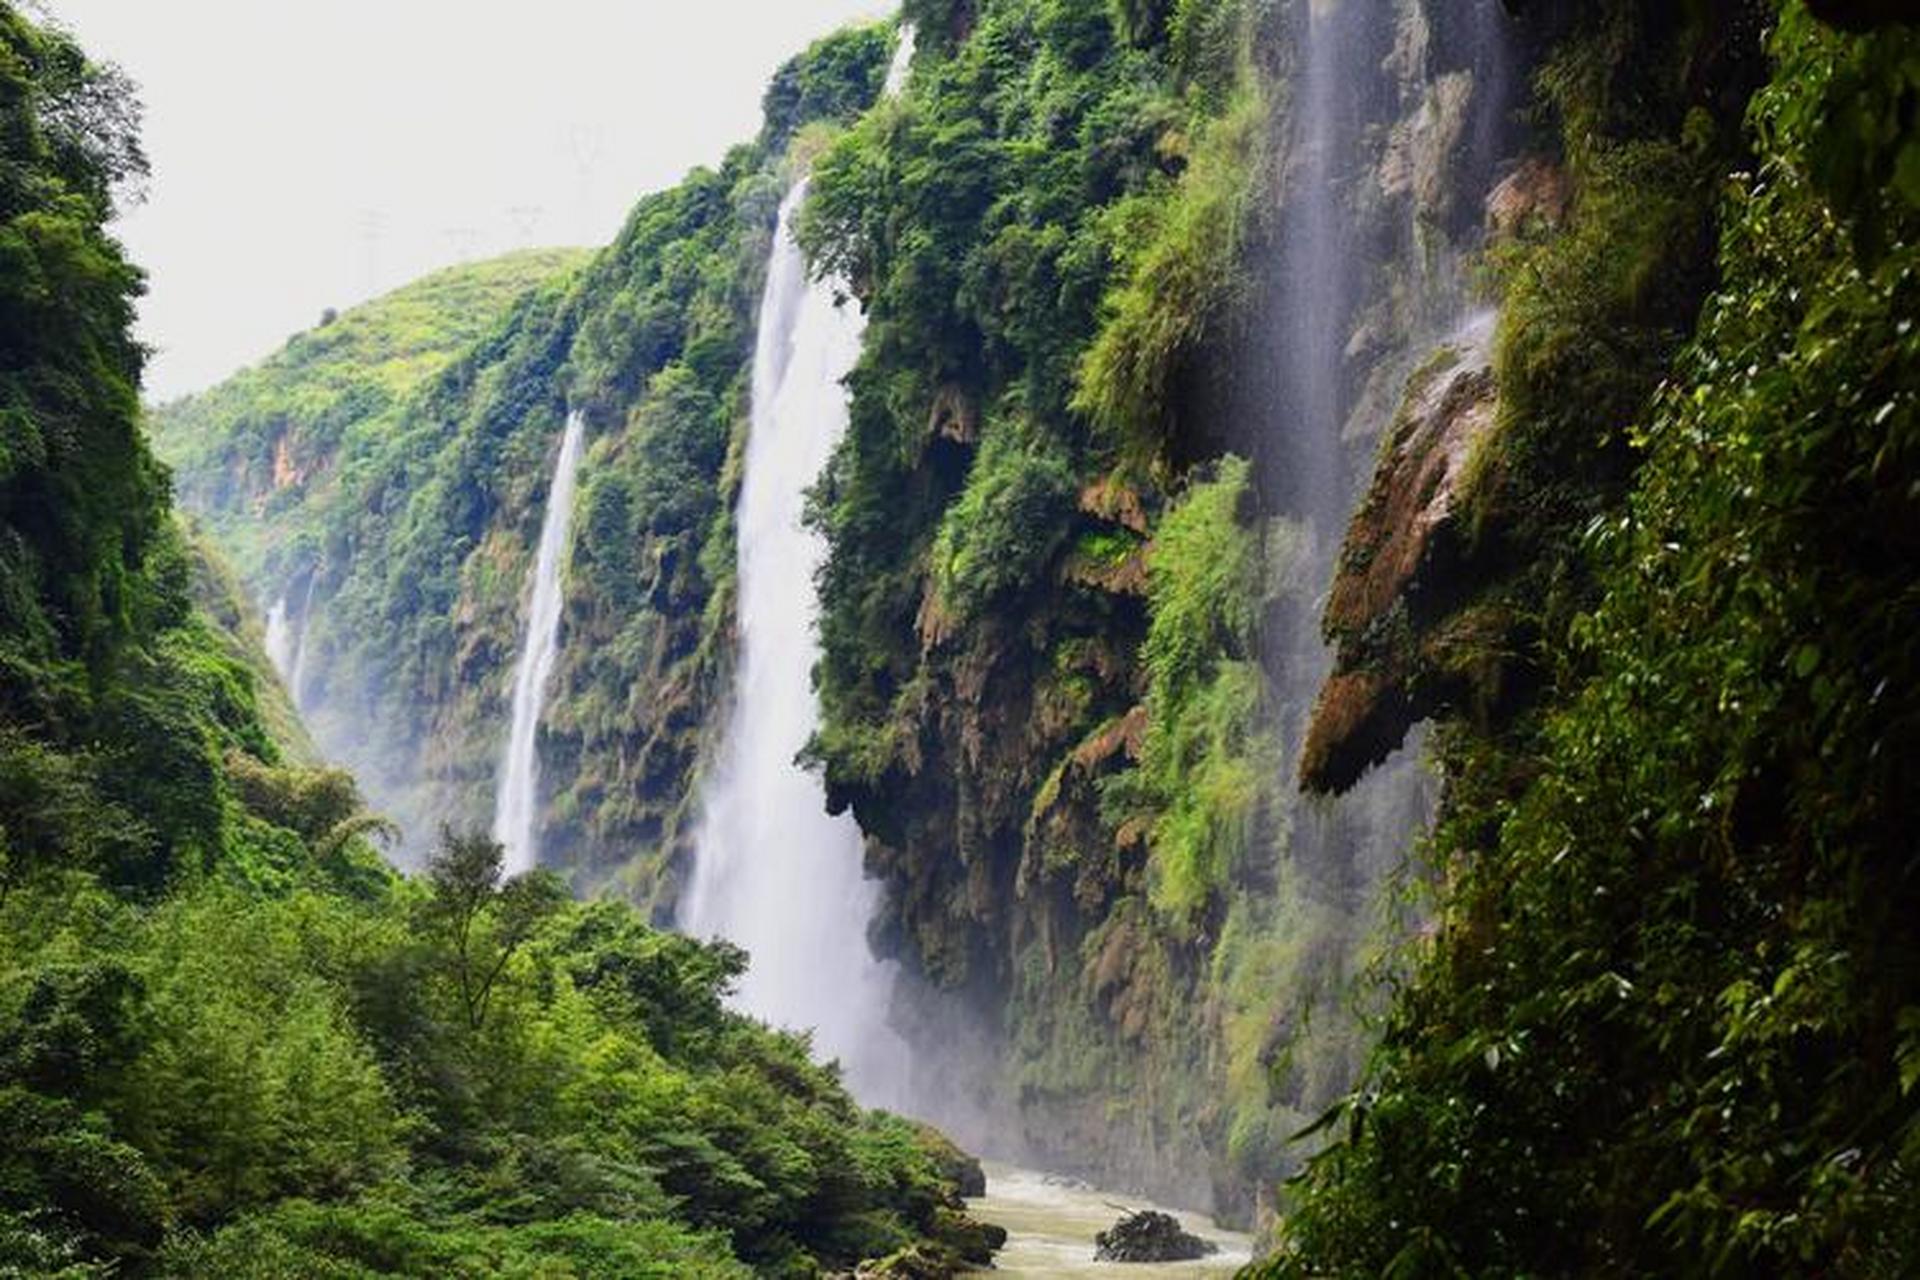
1150 1236
1404 646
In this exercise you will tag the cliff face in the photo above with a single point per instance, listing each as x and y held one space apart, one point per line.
1144 290
1655 609
1403 553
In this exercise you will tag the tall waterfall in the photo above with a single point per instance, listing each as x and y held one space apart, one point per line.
774 872
1318 267
517 796
1400 114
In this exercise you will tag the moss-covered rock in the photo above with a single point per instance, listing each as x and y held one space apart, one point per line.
1150 1236
1404 557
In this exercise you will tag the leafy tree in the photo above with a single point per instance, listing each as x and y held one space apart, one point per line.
480 919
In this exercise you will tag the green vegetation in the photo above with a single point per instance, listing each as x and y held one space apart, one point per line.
232 1042
387 1077
115 700
252 452
1668 1026
1181 244
1656 1007
1203 767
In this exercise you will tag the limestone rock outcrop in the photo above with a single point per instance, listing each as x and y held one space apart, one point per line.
1399 647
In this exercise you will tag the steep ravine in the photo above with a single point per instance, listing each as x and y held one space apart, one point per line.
1240 387
1085 631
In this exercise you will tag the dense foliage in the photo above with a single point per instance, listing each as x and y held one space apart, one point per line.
1044 730
1669 1024
1660 1013
115 700
295 1064
231 1041
255 451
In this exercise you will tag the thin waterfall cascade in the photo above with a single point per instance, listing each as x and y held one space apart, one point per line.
1399 117
900 64
773 871
516 799
1318 267
280 638
295 672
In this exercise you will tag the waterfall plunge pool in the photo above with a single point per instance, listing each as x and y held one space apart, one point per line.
1051 1223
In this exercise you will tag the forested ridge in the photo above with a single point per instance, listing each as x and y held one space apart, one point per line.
1367 629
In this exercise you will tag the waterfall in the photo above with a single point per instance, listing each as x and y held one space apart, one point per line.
901 62
518 791
295 671
279 638
774 872
1398 115
1318 265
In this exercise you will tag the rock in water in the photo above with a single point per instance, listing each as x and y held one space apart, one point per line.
1150 1236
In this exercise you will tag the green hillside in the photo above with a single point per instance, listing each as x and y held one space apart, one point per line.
232 1042
250 453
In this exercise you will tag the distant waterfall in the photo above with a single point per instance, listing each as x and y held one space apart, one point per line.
295 672
773 871
517 796
279 638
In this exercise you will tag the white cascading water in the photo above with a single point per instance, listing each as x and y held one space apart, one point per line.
295 672
279 638
517 795
1341 96
774 872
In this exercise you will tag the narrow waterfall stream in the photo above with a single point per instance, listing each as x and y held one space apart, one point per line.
1392 107
774 872
1318 268
295 673
280 640
517 798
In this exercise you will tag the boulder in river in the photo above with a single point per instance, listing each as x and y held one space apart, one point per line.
1150 1236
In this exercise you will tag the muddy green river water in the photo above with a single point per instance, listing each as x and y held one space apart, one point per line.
1051 1224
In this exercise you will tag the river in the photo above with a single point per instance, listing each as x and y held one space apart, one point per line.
1051 1223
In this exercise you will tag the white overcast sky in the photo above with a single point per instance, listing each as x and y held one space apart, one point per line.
314 153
